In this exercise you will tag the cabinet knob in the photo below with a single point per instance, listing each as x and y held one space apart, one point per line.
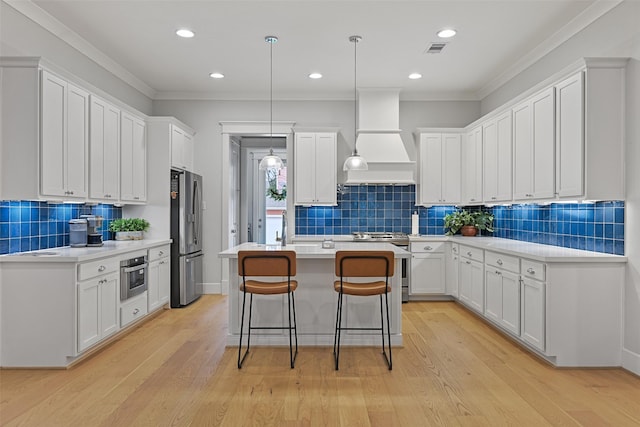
136 311
499 262
160 253
498 273
102 268
469 253
428 248
161 262
531 270
468 262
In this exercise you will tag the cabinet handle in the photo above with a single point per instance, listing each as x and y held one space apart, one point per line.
468 262
529 195
498 273
531 270
136 198
136 311
102 268
493 197
161 262
160 253
428 248
472 200
499 261
470 253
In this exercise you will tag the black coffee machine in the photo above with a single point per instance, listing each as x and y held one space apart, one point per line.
94 236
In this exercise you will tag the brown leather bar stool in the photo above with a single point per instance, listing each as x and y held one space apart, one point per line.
373 264
268 264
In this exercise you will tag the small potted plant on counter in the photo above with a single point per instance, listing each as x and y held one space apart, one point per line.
468 222
129 228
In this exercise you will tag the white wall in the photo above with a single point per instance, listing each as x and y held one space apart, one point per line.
20 36
204 117
615 34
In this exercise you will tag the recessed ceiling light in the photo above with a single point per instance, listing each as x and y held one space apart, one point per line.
187 34
315 76
415 76
446 33
216 75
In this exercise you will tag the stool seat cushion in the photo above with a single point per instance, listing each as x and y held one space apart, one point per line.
362 289
267 288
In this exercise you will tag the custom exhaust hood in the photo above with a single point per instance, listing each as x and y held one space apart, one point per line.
379 141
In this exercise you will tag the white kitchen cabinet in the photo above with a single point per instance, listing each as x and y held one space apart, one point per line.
497 159
104 149
534 147
97 309
452 262
315 168
502 291
570 137
64 136
471 278
472 167
133 309
427 268
532 283
133 159
159 277
439 168
181 149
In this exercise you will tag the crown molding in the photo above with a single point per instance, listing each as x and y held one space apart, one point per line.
64 33
580 22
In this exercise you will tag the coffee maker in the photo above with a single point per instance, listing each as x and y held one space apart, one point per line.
94 236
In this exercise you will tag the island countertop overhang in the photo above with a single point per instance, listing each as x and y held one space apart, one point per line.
315 250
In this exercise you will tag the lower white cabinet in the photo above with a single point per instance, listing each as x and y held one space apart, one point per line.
133 309
159 279
471 278
452 261
533 304
427 268
97 309
502 298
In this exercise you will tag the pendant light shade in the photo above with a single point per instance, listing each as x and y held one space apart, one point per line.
271 161
355 161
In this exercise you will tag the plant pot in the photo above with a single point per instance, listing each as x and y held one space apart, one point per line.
468 230
129 235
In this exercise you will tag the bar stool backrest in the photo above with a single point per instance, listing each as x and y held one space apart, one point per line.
267 263
364 263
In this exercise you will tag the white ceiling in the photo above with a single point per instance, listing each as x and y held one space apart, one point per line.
136 40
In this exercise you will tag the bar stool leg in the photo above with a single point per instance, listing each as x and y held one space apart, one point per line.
292 358
240 357
390 360
295 325
336 341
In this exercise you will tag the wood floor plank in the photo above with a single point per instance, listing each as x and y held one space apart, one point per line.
453 370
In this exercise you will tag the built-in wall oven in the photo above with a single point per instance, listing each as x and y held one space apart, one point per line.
133 277
401 240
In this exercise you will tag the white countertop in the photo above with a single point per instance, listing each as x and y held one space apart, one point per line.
69 254
535 251
315 250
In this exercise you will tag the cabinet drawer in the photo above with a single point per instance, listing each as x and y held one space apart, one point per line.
91 269
159 252
133 309
471 253
506 262
417 247
533 269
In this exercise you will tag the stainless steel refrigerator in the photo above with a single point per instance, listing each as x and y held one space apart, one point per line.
186 232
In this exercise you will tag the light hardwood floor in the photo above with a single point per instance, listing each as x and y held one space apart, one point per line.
454 370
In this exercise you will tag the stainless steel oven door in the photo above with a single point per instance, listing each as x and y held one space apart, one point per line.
133 280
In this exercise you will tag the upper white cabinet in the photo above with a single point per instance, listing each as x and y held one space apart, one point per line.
534 147
497 158
64 124
439 168
104 149
133 159
315 168
472 167
181 149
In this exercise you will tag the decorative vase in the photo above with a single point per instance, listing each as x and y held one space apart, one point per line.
129 235
468 230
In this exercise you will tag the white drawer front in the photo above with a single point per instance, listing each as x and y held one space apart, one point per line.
159 252
87 270
506 262
133 309
471 253
417 247
533 269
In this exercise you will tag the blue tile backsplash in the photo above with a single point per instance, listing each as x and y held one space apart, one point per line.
591 226
29 226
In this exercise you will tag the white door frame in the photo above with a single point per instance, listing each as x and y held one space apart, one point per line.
251 128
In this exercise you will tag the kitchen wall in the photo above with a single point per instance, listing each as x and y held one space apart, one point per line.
595 227
29 226
615 34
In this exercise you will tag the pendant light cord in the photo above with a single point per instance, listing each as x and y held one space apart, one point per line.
271 42
355 95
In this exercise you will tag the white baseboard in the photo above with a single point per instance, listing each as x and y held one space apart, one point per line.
631 361
211 288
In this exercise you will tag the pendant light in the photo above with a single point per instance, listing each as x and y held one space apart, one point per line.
355 161
271 161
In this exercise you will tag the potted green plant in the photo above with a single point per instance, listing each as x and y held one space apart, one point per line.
129 228
468 222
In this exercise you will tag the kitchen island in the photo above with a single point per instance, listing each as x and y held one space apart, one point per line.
315 298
